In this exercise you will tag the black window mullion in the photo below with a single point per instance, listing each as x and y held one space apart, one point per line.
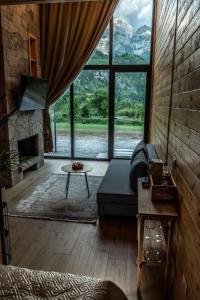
130 68
111 43
72 119
55 128
111 114
96 67
111 96
147 106
119 68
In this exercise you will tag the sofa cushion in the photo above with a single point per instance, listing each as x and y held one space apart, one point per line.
139 169
140 156
115 186
140 147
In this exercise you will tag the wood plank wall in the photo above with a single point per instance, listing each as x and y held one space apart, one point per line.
177 72
162 77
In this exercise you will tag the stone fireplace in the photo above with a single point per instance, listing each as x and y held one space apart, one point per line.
26 139
24 131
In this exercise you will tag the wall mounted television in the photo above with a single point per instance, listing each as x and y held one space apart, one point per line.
32 94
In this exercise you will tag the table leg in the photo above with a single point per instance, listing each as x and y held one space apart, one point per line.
139 276
67 184
87 184
140 251
169 243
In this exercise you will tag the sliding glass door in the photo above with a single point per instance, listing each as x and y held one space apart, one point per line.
129 111
102 121
61 126
91 98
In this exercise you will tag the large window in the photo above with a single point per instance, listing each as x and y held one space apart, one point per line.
104 113
60 125
91 114
130 95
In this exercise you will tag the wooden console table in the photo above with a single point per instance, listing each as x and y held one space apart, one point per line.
155 227
5 251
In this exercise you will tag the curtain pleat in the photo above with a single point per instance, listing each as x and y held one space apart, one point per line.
69 34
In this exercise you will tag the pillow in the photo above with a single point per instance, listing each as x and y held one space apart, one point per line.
140 147
138 169
141 155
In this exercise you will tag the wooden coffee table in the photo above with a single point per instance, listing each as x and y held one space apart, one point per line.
68 169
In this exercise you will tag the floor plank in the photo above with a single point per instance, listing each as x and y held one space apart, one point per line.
106 251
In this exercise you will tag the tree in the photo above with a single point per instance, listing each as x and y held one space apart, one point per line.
100 102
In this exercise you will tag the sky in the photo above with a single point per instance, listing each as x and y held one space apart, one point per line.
135 12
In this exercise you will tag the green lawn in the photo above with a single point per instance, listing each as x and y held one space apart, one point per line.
99 127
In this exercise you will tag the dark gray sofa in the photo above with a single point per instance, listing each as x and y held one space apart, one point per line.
115 195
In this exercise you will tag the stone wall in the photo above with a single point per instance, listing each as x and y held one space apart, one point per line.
4 144
16 23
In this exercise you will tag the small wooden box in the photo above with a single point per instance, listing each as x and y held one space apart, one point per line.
163 190
156 167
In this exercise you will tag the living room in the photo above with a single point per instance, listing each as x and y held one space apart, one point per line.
95 95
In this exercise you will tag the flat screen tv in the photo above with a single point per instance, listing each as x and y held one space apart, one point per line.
33 93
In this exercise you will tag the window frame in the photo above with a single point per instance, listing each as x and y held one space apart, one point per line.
112 70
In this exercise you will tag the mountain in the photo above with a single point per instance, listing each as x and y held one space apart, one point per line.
130 46
128 41
122 36
141 41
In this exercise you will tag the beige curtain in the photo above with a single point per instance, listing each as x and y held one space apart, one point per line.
69 34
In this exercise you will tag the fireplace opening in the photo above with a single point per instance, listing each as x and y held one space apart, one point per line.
28 147
29 155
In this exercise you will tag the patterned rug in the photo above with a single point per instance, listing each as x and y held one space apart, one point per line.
48 200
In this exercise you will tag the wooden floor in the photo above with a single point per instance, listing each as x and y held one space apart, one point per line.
107 250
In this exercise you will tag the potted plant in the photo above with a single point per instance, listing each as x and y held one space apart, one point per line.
7 161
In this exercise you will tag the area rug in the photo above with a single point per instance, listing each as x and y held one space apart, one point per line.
48 200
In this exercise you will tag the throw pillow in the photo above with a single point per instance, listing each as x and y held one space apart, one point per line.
141 155
138 169
140 147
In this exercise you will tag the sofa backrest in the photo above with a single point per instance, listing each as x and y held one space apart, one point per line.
152 154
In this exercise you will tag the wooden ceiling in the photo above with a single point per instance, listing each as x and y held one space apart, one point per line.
14 2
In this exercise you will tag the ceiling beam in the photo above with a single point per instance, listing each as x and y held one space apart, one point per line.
15 2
